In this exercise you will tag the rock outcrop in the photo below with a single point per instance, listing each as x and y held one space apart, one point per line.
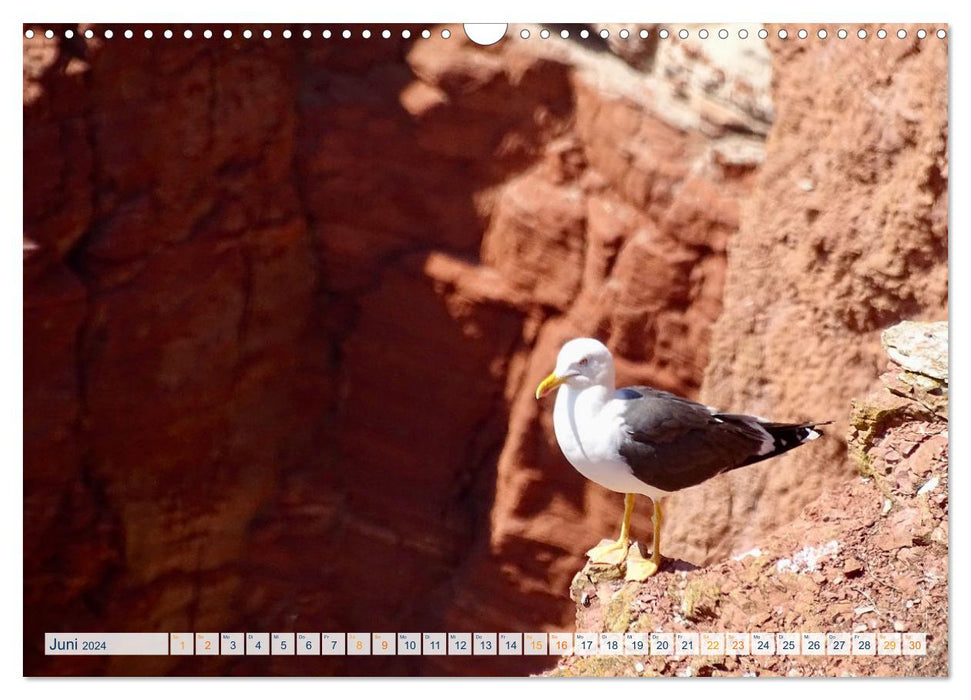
868 556
845 234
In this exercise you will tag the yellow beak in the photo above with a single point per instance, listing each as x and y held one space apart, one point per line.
548 384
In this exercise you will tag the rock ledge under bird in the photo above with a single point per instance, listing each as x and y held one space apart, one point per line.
639 440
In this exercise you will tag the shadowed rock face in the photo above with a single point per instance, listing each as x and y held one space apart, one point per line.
286 304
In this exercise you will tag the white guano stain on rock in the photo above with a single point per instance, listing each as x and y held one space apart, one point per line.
807 558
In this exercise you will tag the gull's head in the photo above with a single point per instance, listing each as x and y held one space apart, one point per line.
582 362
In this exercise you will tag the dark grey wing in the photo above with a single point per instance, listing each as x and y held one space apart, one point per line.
672 443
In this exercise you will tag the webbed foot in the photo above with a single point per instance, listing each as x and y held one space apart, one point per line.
639 568
609 552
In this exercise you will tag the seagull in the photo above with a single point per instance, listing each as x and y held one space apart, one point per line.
640 440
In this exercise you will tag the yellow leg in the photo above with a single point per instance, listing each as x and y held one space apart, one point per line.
628 512
639 568
609 551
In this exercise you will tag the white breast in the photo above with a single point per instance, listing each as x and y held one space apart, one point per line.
588 429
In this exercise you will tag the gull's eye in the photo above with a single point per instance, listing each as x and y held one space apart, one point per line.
584 362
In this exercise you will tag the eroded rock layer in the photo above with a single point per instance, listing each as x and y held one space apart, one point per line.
845 234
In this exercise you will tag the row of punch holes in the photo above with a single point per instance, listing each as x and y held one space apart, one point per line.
722 33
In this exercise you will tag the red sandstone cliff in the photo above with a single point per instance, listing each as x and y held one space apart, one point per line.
845 234
248 258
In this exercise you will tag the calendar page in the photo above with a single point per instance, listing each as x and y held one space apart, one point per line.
527 349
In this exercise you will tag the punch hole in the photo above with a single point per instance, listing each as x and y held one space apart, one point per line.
148 34
743 33
802 33
822 34
326 34
564 34
109 33
604 34
446 34
683 34
882 34
386 34
207 34
267 33
287 34
88 34
783 34
167 33
702 33
663 33
346 33
306 33
69 33
723 33
763 33
425 34
901 33
227 34
624 33
187 33
841 33
941 34
49 34
366 34
545 34
524 34
921 34
584 34
643 34
861 33
405 33
129 33
247 34
29 34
